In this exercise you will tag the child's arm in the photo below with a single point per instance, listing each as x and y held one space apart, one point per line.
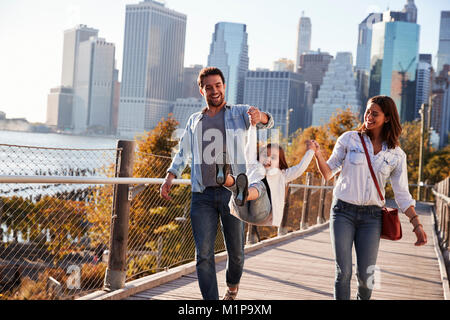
296 171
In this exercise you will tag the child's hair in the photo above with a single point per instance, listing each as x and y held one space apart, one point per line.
282 157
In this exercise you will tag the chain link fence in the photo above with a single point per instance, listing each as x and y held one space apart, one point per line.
55 237
51 246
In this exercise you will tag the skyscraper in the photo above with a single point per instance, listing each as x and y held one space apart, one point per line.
440 112
423 82
443 56
313 66
60 99
72 39
284 94
283 64
229 53
338 90
394 58
152 68
94 87
362 68
190 85
303 39
59 108
411 11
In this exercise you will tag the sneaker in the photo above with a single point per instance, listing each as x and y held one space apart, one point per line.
241 189
222 168
230 295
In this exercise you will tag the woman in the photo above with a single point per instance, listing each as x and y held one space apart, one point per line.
356 215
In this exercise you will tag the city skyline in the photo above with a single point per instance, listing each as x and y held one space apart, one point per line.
32 36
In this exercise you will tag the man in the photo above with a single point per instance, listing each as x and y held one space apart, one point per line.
218 129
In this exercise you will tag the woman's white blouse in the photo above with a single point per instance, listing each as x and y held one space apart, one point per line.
355 184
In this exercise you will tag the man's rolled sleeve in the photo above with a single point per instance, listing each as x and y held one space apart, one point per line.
269 123
183 156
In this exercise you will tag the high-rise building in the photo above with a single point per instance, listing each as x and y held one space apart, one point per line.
313 66
190 85
59 108
152 68
423 82
284 94
94 85
411 11
60 99
229 53
440 111
362 68
394 58
303 39
443 56
365 41
283 64
115 103
72 39
338 90
184 108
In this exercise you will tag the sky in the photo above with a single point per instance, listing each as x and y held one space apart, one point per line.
31 35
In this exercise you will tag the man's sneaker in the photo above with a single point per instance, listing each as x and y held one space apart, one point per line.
222 168
230 295
241 189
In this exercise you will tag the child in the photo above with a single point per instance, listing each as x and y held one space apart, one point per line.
259 195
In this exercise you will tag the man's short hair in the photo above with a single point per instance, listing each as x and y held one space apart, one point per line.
209 71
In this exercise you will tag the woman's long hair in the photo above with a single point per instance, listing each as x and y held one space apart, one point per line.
392 129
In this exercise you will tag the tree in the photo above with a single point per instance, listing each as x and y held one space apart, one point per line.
437 167
326 135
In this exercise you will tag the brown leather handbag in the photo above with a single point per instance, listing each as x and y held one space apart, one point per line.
391 226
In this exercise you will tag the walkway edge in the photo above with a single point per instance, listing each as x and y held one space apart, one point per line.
162 277
437 249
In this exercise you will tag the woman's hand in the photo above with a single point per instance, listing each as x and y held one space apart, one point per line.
421 236
312 145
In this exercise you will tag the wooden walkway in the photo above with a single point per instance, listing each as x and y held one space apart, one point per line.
303 269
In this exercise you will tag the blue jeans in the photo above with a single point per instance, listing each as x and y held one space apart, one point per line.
206 208
361 225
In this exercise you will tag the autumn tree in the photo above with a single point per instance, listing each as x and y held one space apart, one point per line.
326 135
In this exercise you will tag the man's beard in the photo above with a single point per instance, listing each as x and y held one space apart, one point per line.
215 104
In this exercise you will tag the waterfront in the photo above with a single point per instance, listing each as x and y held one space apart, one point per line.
54 140
29 153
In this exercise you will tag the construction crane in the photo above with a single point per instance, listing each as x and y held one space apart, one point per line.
402 73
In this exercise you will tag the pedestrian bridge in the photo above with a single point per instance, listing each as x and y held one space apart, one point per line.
300 266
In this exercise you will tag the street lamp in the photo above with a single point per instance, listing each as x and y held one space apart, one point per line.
287 123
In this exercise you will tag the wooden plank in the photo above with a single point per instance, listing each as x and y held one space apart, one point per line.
303 268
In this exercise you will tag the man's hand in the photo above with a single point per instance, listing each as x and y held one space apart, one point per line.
165 187
312 145
256 116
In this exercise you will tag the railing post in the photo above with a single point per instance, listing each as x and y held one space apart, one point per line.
282 230
252 234
117 262
305 207
323 193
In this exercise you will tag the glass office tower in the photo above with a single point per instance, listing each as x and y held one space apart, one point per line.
229 53
153 64
394 58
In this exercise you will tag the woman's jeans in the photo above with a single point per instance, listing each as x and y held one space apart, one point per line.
361 225
206 208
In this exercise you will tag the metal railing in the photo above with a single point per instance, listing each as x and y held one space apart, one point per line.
60 222
442 210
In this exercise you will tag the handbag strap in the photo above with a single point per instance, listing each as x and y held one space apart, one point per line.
370 166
